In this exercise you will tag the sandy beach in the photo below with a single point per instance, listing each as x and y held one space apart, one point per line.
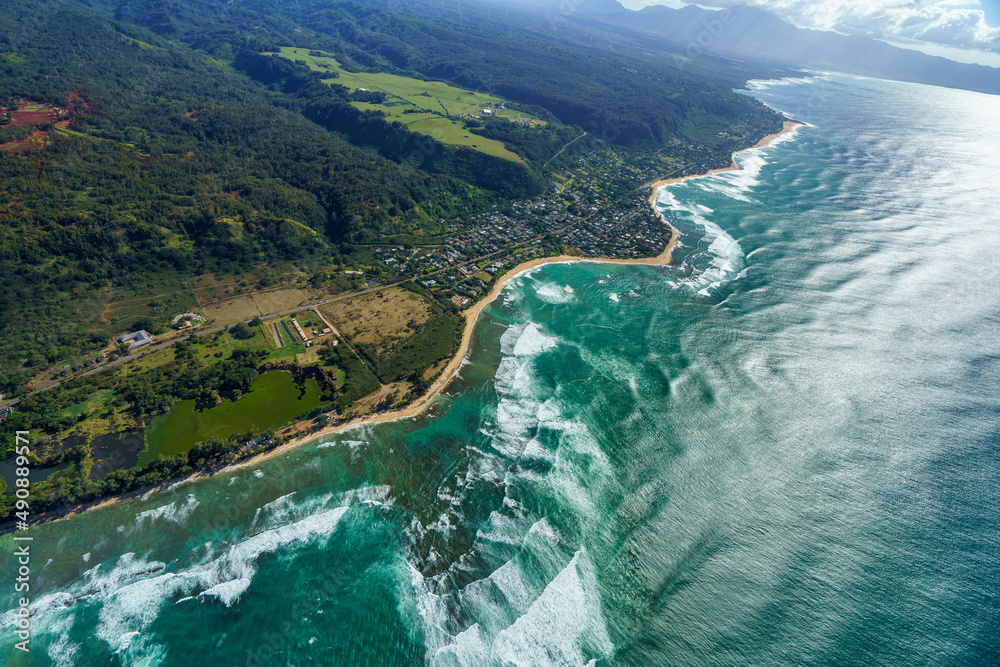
473 312
471 315
787 126
449 371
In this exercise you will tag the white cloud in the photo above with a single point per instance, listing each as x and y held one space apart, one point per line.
952 22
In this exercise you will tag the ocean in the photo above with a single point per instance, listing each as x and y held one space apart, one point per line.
782 450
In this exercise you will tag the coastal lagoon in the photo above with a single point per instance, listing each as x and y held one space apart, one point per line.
273 399
782 450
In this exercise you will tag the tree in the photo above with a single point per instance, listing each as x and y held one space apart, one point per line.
99 338
242 332
256 322
144 324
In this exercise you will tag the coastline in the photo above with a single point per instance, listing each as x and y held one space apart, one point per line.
787 127
473 312
448 373
455 363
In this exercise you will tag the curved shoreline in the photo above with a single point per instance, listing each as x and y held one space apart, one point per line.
473 312
786 127
448 373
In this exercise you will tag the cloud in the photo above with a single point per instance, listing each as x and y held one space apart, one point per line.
952 22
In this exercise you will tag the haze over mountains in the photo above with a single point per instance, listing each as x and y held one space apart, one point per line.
746 32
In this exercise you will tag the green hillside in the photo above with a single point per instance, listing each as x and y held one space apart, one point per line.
432 108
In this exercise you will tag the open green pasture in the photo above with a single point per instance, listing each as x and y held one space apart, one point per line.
434 107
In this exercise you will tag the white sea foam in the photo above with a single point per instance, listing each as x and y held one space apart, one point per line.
62 651
228 576
172 512
511 616
564 626
516 413
502 528
533 341
276 510
378 496
131 607
614 297
722 258
536 450
132 590
518 620
553 293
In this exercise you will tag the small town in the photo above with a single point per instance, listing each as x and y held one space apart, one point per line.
587 217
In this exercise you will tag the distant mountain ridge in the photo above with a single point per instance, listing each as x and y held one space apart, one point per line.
747 32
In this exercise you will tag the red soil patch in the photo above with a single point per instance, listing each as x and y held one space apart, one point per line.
33 114
32 143
76 98
39 114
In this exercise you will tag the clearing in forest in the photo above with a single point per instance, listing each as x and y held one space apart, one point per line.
29 116
433 108
256 304
382 318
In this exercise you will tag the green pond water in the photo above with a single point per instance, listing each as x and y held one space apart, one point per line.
273 399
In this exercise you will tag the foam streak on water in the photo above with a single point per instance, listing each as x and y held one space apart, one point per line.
783 451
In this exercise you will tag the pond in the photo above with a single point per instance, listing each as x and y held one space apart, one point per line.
273 400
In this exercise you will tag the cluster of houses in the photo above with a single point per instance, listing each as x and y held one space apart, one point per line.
465 262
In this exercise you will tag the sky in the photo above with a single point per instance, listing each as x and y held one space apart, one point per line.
961 24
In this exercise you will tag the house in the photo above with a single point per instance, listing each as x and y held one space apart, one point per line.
136 338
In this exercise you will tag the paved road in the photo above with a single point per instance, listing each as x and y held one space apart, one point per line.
565 146
531 243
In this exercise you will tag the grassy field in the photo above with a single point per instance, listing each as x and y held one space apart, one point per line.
169 298
240 309
382 318
206 352
279 300
243 308
272 401
210 287
425 100
93 401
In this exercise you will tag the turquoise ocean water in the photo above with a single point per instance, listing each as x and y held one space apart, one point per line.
785 450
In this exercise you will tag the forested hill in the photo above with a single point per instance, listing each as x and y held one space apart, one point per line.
176 147
170 164
627 99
